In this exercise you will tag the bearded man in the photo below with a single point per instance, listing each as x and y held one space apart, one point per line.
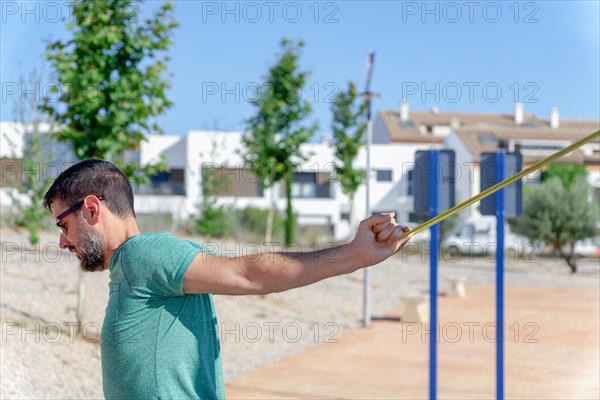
159 336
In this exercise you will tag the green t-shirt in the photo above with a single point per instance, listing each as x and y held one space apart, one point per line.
158 343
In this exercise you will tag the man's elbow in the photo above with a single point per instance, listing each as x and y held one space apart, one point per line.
254 284
256 287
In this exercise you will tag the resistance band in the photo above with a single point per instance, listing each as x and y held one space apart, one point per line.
503 184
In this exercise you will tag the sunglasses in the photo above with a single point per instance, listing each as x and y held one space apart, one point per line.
69 211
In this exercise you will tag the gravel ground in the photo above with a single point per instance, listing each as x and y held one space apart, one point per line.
40 358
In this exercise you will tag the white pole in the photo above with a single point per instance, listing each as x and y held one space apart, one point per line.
367 271
434 111
368 96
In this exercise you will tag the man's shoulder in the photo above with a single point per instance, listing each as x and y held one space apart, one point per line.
154 263
166 240
153 246
148 241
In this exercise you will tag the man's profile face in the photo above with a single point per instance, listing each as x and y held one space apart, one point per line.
80 238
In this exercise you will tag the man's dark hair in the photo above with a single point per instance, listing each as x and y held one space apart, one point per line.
97 177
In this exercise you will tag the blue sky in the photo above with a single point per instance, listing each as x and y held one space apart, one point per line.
456 56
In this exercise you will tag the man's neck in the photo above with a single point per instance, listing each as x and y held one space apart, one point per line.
126 229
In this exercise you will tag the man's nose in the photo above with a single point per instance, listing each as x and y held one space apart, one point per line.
63 242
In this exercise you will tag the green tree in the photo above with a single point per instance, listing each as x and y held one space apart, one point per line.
31 184
348 137
558 216
111 84
567 173
213 219
277 129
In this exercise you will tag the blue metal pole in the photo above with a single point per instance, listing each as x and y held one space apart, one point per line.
434 181
499 202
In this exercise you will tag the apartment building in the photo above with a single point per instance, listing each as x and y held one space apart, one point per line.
200 156
317 197
470 134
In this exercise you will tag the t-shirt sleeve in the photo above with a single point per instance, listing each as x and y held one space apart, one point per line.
155 266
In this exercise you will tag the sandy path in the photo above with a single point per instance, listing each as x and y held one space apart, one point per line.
38 293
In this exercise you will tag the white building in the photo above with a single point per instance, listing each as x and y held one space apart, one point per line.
470 134
317 198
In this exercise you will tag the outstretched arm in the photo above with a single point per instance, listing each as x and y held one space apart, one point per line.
377 238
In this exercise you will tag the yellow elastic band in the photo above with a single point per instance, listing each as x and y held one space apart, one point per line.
503 184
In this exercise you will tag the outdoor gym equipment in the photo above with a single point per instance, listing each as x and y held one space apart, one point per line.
430 162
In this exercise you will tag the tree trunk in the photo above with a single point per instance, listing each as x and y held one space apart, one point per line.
289 222
570 258
352 220
80 301
270 216
572 261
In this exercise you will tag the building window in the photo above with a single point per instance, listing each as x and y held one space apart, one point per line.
304 185
309 185
410 176
345 216
230 182
384 212
488 139
384 175
540 147
169 183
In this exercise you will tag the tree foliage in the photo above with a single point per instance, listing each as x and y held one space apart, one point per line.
110 75
567 173
559 216
213 218
110 84
348 137
277 130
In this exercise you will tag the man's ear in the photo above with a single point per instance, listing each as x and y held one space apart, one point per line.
92 209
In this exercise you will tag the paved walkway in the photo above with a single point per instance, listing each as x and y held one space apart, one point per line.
552 351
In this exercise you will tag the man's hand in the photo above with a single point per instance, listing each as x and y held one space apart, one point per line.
378 238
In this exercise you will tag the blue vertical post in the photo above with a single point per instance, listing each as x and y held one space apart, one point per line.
434 181
499 201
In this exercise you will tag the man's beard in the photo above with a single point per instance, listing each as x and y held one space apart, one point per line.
90 249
